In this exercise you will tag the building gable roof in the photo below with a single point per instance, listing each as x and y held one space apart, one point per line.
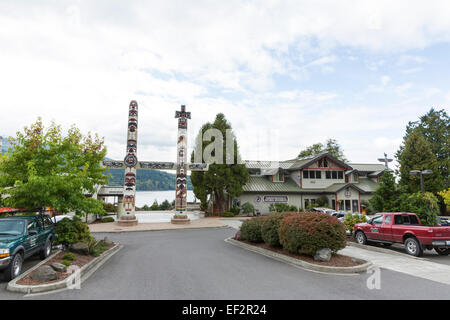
368 167
305 162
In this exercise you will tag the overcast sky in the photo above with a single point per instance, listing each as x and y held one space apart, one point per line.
294 72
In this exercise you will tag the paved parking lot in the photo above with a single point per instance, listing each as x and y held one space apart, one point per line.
198 264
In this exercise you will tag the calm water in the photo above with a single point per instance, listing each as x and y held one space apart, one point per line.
148 197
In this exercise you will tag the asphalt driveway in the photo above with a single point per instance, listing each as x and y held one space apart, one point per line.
198 264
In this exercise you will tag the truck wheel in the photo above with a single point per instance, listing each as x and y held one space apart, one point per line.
15 267
360 237
413 247
442 251
45 252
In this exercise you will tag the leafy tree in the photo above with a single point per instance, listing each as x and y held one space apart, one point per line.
386 196
331 146
425 205
352 219
47 168
417 154
446 196
221 180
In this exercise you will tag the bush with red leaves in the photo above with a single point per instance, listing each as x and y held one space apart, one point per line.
308 232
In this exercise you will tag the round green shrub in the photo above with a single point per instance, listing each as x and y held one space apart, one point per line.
66 263
308 232
69 256
72 231
228 214
251 229
108 219
270 226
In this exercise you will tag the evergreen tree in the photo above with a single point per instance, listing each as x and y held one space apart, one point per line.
331 146
221 181
386 197
416 154
435 127
155 206
165 205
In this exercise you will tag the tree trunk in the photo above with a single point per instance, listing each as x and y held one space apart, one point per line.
218 204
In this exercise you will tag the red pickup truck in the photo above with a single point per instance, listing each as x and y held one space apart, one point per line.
402 227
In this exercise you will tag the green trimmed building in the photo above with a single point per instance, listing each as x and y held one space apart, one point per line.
302 181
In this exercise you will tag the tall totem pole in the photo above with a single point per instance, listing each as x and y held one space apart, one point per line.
127 215
180 216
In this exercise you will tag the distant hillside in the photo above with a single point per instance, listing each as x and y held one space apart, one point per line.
147 180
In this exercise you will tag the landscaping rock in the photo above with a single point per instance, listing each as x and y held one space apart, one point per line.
59 267
107 241
44 274
80 247
237 236
323 255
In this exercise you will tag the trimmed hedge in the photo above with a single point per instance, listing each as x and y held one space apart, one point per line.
251 229
270 226
308 232
108 219
228 214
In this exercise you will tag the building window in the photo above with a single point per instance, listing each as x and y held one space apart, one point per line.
355 205
333 204
318 175
279 177
340 175
312 174
334 174
347 205
328 174
305 174
306 203
325 163
320 163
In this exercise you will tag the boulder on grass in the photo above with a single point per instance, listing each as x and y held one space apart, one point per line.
44 274
59 267
323 255
80 247
107 241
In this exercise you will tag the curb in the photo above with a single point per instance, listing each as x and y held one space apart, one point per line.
303 264
86 271
382 250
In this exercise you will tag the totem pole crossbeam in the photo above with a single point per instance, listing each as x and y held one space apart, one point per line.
126 208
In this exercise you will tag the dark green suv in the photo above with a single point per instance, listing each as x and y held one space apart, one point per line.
21 237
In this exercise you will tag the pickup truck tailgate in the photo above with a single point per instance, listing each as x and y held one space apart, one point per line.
441 235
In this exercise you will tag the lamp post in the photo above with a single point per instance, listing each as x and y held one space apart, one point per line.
421 173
